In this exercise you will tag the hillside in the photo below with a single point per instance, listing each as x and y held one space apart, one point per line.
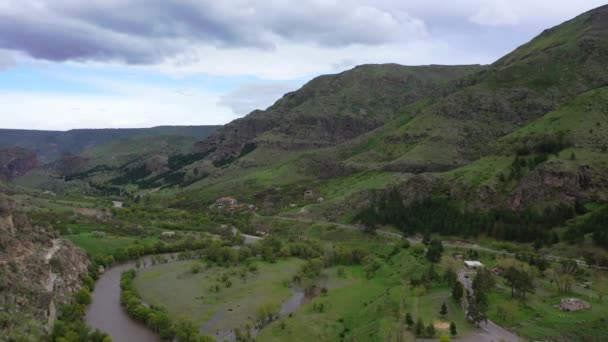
39 273
51 145
16 162
524 132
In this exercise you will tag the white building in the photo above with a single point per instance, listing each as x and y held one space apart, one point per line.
473 264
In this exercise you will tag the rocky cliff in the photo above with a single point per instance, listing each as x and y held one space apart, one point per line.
15 162
38 273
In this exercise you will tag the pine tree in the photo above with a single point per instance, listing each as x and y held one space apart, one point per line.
409 321
457 291
430 330
419 328
453 330
444 309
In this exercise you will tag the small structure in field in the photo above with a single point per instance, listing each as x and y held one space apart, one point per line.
167 234
117 204
496 270
574 304
473 264
320 200
308 193
226 201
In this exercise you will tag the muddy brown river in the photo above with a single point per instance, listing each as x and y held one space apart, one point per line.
106 314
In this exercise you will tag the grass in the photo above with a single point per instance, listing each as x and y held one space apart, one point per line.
428 306
183 293
101 246
537 318
363 309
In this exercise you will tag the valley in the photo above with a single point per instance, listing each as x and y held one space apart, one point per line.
382 203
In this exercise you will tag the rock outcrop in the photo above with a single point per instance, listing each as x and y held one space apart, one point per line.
15 162
38 273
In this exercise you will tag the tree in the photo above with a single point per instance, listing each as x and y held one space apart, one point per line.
266 313
430 330
186 331
83 296
409 321
444 309
520 281
563 281
457 291
475 312
419 328
453 330
433 253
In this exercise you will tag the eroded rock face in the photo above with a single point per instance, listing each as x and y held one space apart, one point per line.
70 164
555 182
15 162
37 272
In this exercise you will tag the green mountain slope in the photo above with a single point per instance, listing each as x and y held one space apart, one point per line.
526 131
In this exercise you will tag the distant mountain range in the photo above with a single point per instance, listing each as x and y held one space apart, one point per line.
51 145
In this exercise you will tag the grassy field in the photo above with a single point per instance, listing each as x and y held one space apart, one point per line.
183 293
100 246
537 318
362 309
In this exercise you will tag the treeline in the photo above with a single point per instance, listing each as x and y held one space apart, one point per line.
70 325
229 159
595 224
445 216
157 318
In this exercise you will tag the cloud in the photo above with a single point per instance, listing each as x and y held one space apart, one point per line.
258 95
494 14
149 31
6 60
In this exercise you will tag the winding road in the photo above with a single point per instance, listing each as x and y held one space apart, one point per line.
494 331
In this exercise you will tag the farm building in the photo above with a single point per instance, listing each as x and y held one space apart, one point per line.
573 304
117 204
472 264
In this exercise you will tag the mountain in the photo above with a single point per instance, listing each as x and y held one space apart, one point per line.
332 109
51 145
526 131
16 162
454 130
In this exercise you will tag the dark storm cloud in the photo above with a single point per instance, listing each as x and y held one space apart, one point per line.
147 31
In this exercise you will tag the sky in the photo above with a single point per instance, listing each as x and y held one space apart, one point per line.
68 64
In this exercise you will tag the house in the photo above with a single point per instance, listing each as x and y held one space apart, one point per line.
496 270
226 201
473 264
117 204
573 304
167 234
308 193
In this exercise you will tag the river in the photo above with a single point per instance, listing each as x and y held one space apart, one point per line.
106 314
